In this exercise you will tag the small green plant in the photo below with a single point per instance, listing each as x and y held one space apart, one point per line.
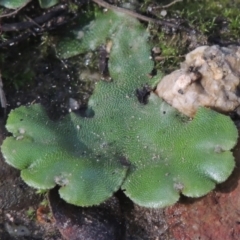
41 191
31 213
150 151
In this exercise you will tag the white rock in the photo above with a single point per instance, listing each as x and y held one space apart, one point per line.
209 77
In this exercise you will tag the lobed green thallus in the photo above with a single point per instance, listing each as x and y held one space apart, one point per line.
150 151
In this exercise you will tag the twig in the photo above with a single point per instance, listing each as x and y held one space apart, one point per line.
31 20
169 5
30 27
160 58
139 16
38 20
16 39
14 12
3 100
31 31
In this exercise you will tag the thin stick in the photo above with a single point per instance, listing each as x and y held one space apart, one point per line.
3 100
169 5
31 20
14 12
160 58
8 27
139 16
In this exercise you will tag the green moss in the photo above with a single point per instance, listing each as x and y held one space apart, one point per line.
205 15
150 151
31 213
205 20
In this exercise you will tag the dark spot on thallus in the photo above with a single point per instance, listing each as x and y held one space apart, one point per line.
164 112
21 119
103 61
143 94
124 161
86 112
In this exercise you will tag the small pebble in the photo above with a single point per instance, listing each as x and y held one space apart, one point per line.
17 231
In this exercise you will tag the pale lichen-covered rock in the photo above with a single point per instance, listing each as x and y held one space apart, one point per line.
209 77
